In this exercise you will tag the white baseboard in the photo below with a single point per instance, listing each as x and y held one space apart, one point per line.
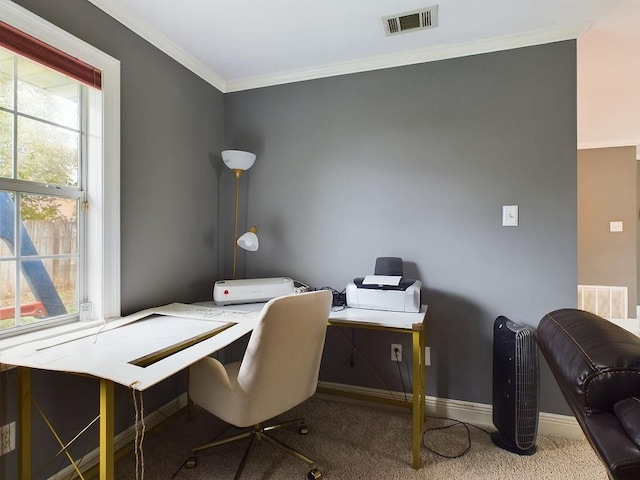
549 424
122 439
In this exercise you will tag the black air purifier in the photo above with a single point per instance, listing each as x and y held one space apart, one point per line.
516 379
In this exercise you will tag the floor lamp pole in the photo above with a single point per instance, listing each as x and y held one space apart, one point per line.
238 173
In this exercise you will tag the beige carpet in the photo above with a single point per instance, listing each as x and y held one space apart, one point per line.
350 441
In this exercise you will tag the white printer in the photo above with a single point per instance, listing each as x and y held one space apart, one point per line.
251 290
387 289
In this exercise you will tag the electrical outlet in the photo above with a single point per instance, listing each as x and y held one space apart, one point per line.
8 437
427 356
396 352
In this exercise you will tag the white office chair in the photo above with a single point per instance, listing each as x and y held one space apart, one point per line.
279 370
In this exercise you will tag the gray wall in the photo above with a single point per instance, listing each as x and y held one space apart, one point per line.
172 135
417 162
607 192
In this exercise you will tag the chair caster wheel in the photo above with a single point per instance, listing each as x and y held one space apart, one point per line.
191 462
303 429
314 474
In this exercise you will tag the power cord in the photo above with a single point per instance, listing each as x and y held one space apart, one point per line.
454 424
352 361
338 302
396 351
339 298
299 287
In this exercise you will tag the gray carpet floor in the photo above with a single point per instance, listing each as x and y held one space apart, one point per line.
353 441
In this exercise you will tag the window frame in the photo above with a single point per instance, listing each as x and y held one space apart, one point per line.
102 281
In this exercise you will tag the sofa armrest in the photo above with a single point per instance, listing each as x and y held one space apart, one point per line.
595 362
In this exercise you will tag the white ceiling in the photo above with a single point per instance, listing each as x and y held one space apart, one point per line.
241 44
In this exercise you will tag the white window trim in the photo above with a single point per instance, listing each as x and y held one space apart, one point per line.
103 283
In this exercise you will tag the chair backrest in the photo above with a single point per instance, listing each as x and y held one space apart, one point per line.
280 366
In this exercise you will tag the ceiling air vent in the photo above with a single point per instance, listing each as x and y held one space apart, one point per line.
411 21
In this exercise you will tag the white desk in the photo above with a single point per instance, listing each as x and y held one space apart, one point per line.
141 350
137 351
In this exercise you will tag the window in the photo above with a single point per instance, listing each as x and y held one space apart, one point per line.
59 184
41 163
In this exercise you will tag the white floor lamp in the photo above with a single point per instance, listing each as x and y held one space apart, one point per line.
239 161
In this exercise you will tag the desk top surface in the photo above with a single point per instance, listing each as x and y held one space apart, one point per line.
356 316
380 318
143 349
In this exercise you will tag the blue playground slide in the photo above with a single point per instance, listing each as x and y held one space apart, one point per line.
34 271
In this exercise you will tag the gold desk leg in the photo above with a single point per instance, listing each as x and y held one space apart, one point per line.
417 396
106 429
24 424
423 374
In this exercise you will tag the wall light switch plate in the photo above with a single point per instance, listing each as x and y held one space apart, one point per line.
615 226
510 215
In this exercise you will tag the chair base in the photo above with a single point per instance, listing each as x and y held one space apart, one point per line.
259 432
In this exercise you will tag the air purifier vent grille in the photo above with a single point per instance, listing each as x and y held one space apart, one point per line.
526 389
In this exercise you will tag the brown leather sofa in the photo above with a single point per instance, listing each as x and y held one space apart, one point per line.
597 366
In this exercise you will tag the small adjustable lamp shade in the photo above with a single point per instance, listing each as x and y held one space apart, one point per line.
249 240
239 161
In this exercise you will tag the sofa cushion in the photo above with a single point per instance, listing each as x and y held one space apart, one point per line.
628 413
595 362
613 446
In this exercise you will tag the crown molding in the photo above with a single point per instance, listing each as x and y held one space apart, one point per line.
131 20
422 55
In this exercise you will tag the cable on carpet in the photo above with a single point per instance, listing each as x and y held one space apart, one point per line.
140 430
454 424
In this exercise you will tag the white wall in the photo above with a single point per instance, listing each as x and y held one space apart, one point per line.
609 80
